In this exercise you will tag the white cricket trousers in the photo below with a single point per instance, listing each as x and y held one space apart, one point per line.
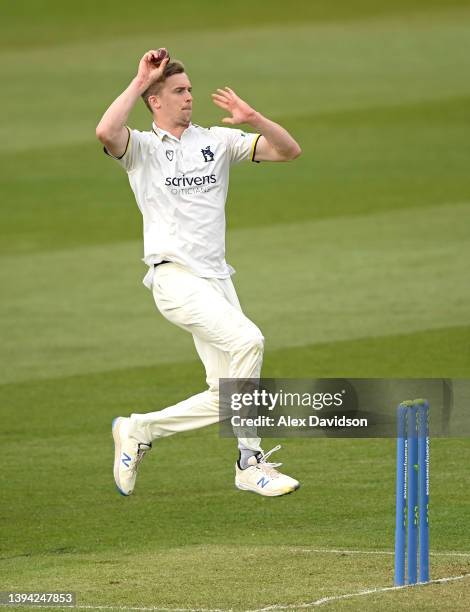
228 343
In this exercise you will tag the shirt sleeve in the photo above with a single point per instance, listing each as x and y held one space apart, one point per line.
240 145
134 154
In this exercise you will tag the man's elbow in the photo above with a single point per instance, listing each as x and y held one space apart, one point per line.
105 133
101 134
294 153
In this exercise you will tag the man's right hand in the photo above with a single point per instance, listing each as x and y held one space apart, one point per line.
149 71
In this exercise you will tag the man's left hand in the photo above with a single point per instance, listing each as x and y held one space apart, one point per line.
228 100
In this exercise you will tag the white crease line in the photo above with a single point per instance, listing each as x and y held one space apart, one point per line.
449 554
373 552
326 600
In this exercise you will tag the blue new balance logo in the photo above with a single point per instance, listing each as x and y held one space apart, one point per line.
263 482
126 459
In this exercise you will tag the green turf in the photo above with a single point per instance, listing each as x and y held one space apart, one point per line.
353 260
324 281
63 529
48 22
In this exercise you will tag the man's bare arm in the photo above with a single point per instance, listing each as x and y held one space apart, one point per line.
275 144
111 130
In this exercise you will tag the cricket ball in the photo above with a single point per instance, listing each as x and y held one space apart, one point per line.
162 54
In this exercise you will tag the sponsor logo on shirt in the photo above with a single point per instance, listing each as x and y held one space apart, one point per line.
190 185
189 181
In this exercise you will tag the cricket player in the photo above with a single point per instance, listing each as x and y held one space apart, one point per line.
179 173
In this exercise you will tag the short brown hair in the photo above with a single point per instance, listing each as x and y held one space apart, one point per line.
154 89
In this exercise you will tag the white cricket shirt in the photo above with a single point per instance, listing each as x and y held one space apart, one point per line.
181 187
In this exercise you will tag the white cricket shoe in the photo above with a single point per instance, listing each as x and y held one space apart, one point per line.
263 478
128 453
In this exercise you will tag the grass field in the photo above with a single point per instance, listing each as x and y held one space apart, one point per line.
353 261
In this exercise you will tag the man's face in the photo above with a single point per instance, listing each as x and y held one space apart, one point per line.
175 102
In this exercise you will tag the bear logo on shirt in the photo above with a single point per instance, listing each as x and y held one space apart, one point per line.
208 155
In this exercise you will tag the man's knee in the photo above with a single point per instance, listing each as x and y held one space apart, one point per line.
254 342
258 342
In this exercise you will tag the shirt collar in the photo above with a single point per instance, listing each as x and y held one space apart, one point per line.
162 133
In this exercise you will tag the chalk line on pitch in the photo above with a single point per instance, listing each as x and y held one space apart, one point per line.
346 551
326 600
